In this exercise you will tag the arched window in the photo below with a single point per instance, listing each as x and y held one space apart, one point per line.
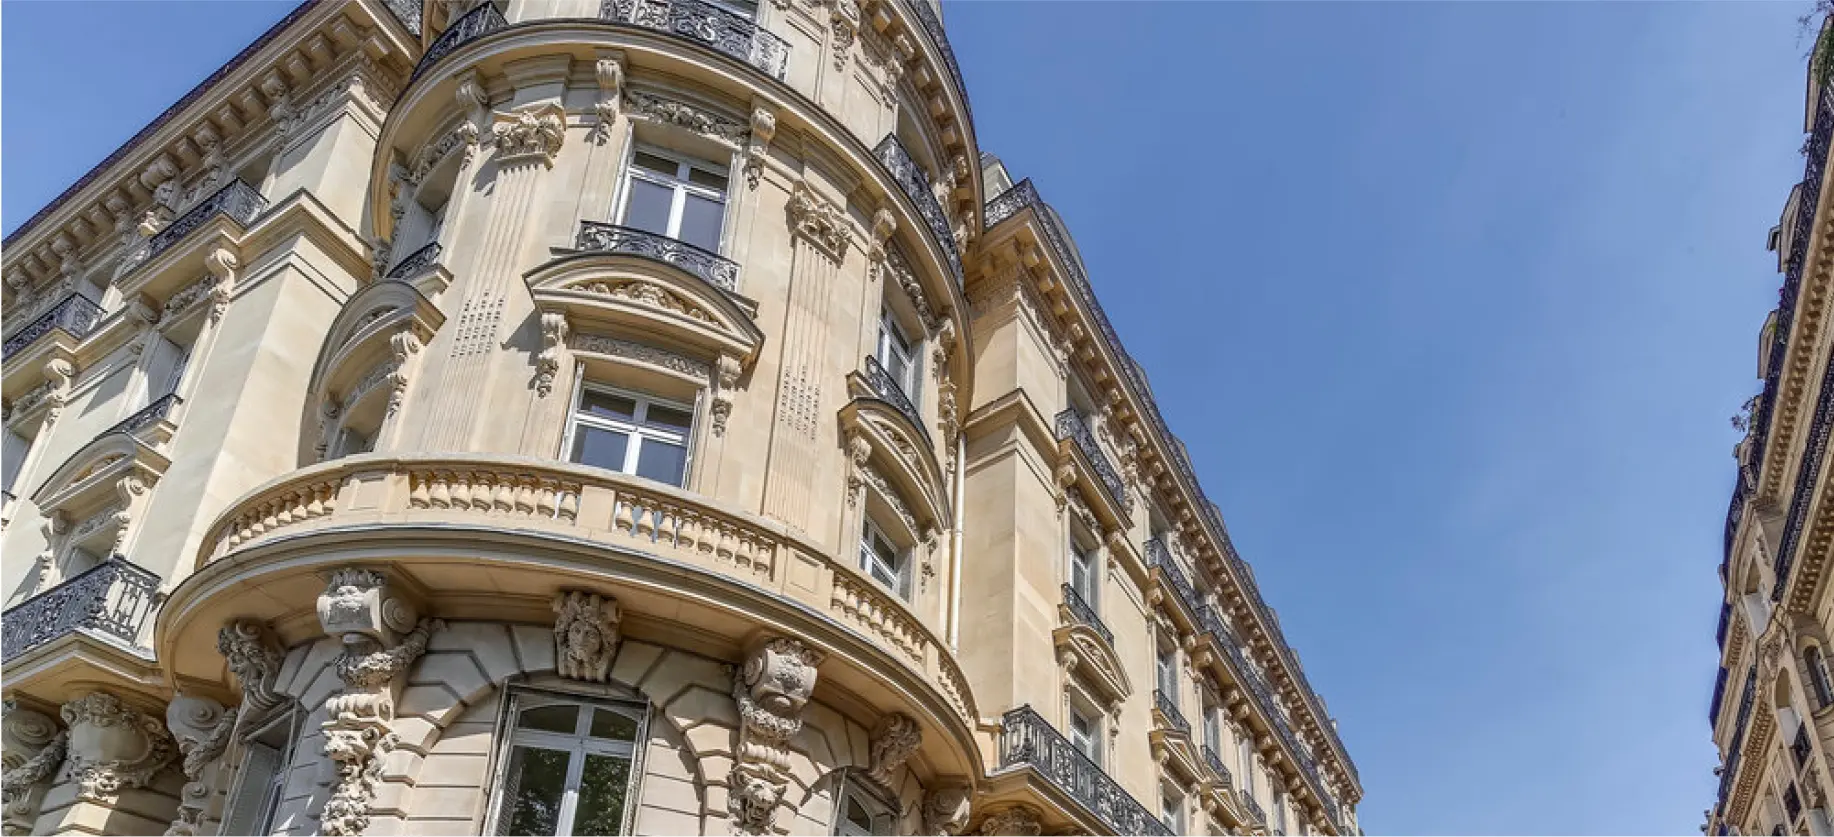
566 765
1818 676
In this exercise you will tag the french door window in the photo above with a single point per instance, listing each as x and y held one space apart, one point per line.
631 433
862 816
1213 729
1085 734
1083 576
1167 675
266 755
898 354
676 196
566 768
884 561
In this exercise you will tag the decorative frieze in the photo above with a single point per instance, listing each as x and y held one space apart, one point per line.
640 352
1022 820
668 111
586 635
770 689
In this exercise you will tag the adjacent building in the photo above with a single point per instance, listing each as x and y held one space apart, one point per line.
1772 710
649 417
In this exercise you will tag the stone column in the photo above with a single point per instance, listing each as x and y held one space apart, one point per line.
770 690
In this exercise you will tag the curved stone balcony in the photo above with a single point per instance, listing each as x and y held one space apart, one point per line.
496 536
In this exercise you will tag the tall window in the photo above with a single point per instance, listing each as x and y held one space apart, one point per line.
670 194
1245 753
1172 811
165 367
884 561
1166 671
566 769
898 354
267 753
1213 729
1279 812
1083 575
1086 732
628 432
1818 676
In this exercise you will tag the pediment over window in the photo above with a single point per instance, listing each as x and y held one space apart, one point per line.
905 457
359 336
647 302
1094 658
100 476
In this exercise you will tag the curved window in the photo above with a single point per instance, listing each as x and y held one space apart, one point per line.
677 196
566 766
881 559
1818 676
898 354
630 433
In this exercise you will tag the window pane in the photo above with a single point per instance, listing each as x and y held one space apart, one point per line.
612 726
669 417
858 817
648 206
707 178
533 791
601 794
660 165
700 222
606 404
562 718
662 461
599 448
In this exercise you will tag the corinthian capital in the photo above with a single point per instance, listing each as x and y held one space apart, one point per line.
533 134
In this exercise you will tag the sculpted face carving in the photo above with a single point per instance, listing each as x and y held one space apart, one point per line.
586 635
770 689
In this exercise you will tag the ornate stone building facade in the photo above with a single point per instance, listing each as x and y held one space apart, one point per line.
1772 709
639 416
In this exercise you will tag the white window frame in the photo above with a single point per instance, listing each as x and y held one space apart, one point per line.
893 340
1171 810
680 185
869 557
637 429
1213 728
727 5
1094 719
1090 564
577 746
1165 673
1245 752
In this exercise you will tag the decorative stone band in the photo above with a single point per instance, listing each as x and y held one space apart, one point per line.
520 496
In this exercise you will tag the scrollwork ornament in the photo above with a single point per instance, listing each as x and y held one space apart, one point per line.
22 786
946 809
254 656
770 688
894 740
116 747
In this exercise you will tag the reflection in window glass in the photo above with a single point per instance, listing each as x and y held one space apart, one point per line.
568 767
604 424
677 196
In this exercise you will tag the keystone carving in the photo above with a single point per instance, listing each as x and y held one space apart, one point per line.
894 740
946 809
585 635
111 747
254 656
530 135
770 689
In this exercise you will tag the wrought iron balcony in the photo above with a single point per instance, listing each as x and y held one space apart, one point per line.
1725 621
708 25
238 201
1216 766
406 11
1719 695
475 24
416 262
1255 813
1745 701
916 186
147 416
720 272
1070 426
1086 614
1736 513
1792 802
112 599
932 26
1167 707
1160 558
1800 746
888 389
1027 740
75 315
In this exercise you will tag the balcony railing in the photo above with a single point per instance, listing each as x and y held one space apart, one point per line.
237 201
1216 766
1086 614
916 186
1160 558
888 389
1792 802
416 262
1800 746
1070 425
1026 739
1725 621
147 416
715 270
1719 695
475 24
113 599
1738 733
1023 195
932 26
1255 813
76 315
1735 513
1168 707
709 25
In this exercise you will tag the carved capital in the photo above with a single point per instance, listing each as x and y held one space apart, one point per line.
1023 820
358 602
946 809
822 223
586 635
530 135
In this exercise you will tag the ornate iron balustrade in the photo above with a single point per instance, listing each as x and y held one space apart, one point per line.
1022 195
1735 514
1169 708
1725 621
1158 556
1216 766
406 11
76 315
238 200
1070 426
1086 614
1026 739
147 416
1792 802
1789 296
113 598
1253 809
1719 696
1738 733
473 25
916 186
889 390
1800 746
932 26
416 262
715 270
708 25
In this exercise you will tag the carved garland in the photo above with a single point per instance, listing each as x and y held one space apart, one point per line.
770 689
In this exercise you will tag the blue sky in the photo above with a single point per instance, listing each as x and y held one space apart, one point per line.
1450 302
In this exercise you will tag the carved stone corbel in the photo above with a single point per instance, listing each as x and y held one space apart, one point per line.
894 740
402 346
111 747
946 809
884 224
763 127
1020 819
475 103
609 72
586 635
844 21
725 381
202 727
254 657
221 265
770 689
59 373
532 135
814 218
554 330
